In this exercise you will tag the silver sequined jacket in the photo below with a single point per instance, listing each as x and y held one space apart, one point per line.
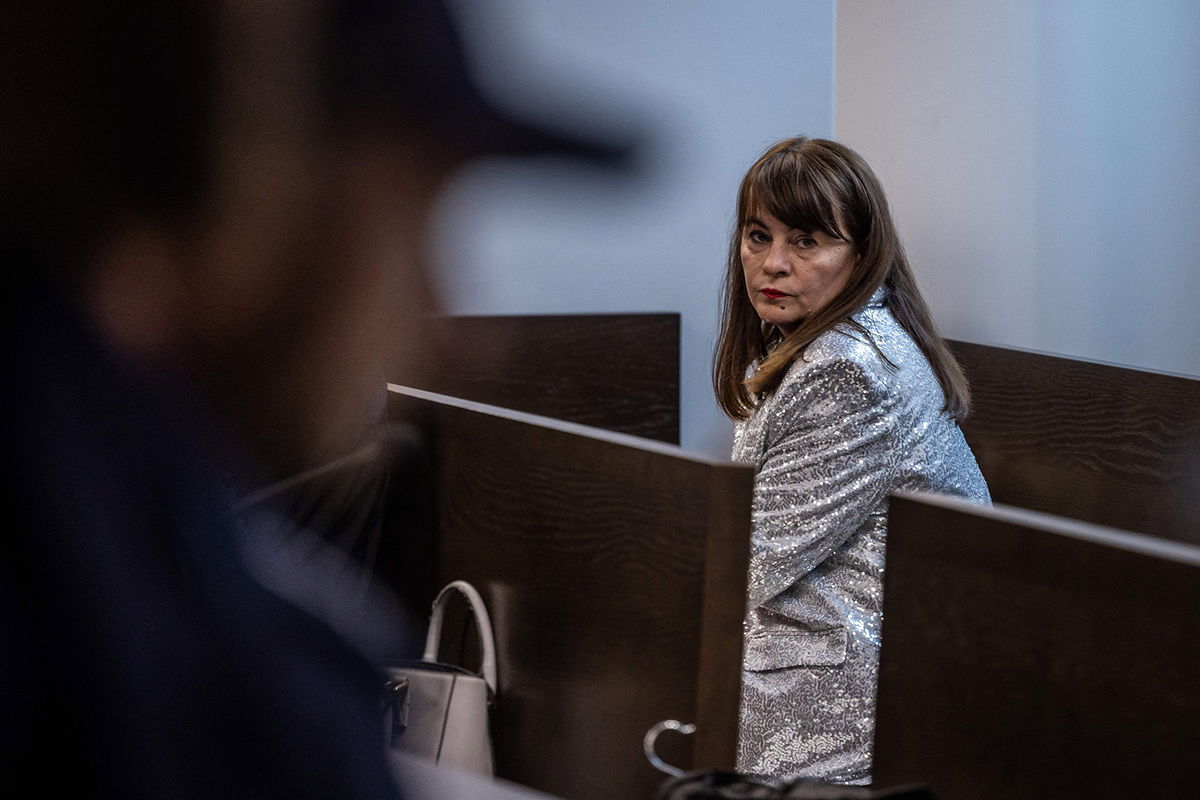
843 430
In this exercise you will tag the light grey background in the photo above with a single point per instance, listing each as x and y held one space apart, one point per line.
1041 157
1043 161
712 84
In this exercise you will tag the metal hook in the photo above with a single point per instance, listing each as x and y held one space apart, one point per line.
652 736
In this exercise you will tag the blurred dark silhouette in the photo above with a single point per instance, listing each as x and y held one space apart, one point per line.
211 220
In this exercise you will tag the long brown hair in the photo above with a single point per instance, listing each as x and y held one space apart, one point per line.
810 185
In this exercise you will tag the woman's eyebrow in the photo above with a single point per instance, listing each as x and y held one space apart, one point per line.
755 221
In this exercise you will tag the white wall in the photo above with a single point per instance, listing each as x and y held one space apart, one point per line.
1043 161
711 84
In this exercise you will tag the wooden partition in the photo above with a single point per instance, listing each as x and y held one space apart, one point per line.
1091 441
619 372
1095 442
614 569
1035 657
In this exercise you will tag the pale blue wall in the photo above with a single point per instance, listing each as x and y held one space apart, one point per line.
711 83
1042 156
1118 190
1043 160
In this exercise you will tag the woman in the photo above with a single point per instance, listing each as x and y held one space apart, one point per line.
842 391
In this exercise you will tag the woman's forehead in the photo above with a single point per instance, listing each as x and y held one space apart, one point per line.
798 209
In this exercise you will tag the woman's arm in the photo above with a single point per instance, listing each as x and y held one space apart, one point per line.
831 456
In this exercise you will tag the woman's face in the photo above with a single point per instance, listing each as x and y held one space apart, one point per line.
790 273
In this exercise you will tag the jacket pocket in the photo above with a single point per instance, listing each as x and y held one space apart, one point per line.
780 649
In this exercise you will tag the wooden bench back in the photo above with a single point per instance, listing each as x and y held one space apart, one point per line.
614 569
619 372
1095 442
1030 656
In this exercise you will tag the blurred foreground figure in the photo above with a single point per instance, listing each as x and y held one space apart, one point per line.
212 221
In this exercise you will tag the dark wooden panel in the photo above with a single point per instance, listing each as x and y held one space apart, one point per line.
1096 442
1035 657
614 569
619 372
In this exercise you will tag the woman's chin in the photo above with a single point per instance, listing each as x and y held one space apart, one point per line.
785 323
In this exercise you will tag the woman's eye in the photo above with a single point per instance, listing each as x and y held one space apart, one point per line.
806 242
758 237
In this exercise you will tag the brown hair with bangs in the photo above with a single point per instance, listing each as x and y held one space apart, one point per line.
820 185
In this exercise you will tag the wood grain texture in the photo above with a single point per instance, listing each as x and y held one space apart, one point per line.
619 372
614 570
1095 442
1020 660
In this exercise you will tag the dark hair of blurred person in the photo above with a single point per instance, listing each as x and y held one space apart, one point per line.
220 200
212 217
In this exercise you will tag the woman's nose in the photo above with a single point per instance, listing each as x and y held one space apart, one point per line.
777 262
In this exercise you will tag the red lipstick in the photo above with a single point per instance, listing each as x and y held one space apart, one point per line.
773 293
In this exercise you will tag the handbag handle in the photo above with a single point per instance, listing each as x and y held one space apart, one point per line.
651 738
483 624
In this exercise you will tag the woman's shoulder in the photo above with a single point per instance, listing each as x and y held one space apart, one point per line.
843 342
853 345
856 359
839 366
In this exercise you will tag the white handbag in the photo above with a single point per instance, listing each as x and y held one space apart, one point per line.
441 711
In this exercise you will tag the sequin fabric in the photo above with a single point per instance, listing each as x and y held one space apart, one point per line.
843 430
